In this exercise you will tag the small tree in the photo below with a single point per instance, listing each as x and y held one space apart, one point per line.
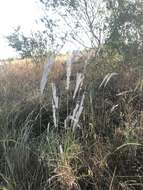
82 21
126 28
34 46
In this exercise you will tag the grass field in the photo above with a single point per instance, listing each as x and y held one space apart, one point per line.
85 131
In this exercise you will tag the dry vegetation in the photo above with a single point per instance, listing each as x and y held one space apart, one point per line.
84 133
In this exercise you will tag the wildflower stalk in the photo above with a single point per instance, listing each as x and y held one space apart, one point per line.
47 69
55 104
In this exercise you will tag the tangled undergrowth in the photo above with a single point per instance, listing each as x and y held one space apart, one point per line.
82 130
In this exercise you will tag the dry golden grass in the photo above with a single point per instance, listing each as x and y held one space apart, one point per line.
21 78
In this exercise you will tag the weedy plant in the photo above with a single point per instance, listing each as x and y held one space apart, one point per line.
60 150
77 95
